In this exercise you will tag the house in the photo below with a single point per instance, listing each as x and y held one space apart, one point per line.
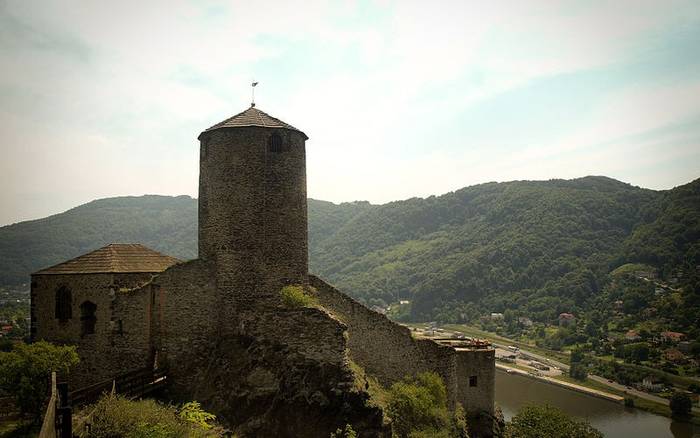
566 319
674 356
402 302
652 384
525 321
617 305
632 335
496 316
672 336
645 274
379 309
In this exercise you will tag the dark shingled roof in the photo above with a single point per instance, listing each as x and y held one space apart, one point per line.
253 117
115 258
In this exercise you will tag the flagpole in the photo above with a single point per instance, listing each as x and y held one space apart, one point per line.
252 102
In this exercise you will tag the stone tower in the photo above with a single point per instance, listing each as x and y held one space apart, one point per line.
252 204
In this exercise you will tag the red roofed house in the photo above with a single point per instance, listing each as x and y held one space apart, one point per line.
566 319
673 355
672 336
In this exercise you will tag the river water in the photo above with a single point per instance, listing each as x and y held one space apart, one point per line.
614 420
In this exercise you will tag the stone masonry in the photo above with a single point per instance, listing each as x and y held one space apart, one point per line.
218 324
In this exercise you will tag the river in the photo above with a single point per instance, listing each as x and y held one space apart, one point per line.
614 420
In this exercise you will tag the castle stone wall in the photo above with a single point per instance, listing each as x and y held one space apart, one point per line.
387 351
100 353
184 320
477 364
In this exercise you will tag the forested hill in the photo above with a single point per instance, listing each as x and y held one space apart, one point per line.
542 246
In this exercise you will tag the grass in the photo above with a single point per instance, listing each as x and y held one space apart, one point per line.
379 396
19 429
296 296
118 416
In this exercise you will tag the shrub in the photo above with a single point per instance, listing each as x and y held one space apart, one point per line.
296 296
578 371
418 408
26 369
192 412
548 422
116 416
347 432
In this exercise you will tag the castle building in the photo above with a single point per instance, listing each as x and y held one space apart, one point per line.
218 322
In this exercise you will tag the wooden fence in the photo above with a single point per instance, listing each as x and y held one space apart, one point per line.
58 421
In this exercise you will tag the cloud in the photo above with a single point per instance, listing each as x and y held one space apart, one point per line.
116 93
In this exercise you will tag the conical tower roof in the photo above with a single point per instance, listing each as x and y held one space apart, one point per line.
253 117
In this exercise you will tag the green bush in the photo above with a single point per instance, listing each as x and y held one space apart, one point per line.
347 432
578 371
681 405
115 416
418 408
25 372
296 296
548 422
192 412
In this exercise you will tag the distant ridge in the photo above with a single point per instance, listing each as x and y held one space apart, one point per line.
546 245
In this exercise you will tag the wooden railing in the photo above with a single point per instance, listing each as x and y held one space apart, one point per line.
131 384
58 421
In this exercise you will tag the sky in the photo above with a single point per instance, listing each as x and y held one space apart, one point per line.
399 98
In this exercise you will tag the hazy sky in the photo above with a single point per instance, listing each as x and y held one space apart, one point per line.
399 99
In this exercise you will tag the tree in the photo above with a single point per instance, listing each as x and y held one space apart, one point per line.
548 422
681 405
26 369
418 408
578 371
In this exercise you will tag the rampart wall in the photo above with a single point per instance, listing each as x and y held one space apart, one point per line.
387 351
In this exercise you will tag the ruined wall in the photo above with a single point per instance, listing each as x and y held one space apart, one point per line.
184 320
100 354
252 210
387 351
268 371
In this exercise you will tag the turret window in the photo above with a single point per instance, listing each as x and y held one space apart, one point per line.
87 318
274 143
63 304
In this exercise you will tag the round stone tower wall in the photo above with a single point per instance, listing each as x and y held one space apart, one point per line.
252 209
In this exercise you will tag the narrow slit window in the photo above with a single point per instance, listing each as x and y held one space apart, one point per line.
274 144
63 304
87 318
472 381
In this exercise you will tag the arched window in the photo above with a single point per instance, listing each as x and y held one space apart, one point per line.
87 318
274 143
63 304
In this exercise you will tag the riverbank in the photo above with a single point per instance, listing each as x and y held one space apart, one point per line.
571 386
641 400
